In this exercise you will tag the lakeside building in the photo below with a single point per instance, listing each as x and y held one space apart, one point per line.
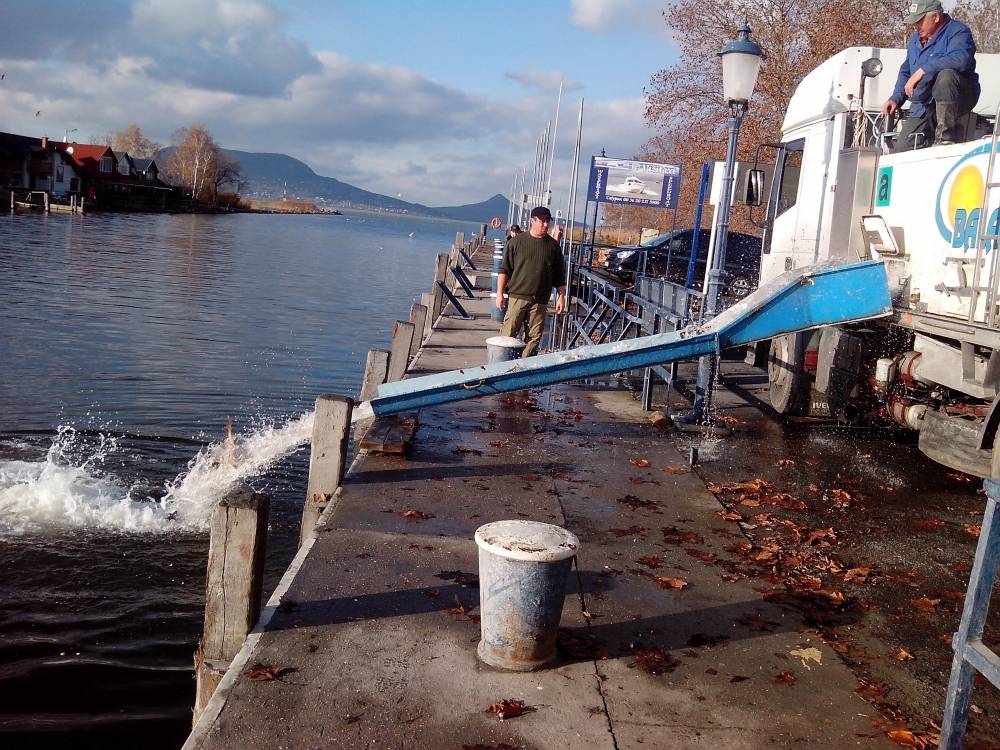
93 175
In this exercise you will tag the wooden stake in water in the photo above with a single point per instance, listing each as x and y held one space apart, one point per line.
328 458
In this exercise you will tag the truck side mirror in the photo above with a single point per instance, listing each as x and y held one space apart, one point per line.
755 187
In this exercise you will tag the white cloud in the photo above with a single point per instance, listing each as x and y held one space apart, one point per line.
381 127
604 15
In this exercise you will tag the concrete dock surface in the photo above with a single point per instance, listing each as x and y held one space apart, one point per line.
661 646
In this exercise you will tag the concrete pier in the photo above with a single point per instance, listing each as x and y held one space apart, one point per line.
373 631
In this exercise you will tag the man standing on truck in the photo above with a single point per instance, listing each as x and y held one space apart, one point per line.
532 264
938 77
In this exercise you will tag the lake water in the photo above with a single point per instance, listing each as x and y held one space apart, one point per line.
126 341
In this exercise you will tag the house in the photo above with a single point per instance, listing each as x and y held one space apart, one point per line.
147 169
126 165
36 164
111 180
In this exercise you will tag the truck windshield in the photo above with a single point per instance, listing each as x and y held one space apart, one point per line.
791 167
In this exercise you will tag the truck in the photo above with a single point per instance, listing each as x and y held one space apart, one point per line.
841 190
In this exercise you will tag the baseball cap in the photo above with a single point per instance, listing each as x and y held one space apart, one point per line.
920 9
541 212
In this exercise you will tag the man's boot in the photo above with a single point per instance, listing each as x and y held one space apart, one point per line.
950 123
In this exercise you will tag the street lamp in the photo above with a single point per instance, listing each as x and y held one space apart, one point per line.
741 61
66 135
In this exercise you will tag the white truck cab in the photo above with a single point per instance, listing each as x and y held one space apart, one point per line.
842 190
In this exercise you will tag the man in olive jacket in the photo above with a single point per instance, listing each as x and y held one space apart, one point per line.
532 264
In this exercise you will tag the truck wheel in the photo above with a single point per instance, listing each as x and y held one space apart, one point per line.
789 383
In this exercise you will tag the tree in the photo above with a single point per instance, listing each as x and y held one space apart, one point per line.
132 140
684 101
229 174
983 17
194 163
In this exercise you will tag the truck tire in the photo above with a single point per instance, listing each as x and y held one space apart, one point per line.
789 383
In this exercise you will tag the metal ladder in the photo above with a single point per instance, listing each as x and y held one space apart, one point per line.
984 236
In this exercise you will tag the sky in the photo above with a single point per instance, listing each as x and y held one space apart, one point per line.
438 102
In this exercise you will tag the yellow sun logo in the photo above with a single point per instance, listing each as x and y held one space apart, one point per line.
966 191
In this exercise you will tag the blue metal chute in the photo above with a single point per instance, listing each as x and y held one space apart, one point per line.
811 297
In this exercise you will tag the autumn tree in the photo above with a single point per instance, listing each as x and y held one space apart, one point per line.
197 164
132 140
684 101
983 18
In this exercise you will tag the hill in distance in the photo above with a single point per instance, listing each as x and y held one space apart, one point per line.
273 176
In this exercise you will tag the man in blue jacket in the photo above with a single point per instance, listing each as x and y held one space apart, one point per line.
938 77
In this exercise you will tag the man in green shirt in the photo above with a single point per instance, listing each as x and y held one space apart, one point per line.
532 264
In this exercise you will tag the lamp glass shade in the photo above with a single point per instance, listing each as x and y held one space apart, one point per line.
739 75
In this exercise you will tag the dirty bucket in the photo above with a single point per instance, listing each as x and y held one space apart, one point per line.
503 349
522 584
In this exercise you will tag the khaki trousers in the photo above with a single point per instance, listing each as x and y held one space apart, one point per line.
521 313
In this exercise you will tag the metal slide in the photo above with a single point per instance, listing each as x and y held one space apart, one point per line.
806 298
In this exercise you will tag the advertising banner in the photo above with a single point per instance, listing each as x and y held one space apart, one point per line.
639 183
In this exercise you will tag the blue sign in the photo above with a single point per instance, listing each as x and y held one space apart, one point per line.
638 183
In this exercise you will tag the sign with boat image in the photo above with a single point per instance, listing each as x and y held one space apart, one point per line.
640 183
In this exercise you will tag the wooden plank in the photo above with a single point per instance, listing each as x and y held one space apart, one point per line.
418 316
376 369
399 356
391 434
427 300
327 458
440 274
237 542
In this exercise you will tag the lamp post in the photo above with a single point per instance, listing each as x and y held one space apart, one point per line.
68 131
740 65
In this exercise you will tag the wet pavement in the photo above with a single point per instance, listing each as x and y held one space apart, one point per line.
790 590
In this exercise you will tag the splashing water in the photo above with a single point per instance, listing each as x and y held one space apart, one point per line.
70 489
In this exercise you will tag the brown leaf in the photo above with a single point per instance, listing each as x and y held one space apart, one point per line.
926 524
906 738
458 609
508 708
958 476
643 480
706 557
651 561
529 477
415 515
642 463
264 673
673 535
972 529
675 470
903 655
784 462
859 574
671 583
462 579
787 678
712 671
653 660
924 604
729 515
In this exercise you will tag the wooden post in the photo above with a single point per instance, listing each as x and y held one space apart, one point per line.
440 274
376 368
399 357
427 300
418 315
327 459
237 541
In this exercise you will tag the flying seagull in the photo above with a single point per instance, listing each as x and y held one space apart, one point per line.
38 113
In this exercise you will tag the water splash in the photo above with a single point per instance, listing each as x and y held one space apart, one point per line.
70 488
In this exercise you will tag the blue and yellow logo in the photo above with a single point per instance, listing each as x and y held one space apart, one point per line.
960 201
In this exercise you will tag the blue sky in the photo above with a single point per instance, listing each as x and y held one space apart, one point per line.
438 102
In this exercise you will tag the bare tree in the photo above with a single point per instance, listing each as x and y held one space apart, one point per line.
132 140
228 174
983 17
684 101
194 163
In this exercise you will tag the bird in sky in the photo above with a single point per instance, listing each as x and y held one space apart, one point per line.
38 113
2 76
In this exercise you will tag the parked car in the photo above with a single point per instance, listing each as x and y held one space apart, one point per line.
667 256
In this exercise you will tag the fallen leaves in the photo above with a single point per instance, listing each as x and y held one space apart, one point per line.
926 524
729 515
642 463
633 502
972 529
630 531
924 604
673 535
643 480
462 579
671 583
705 557
653 661
651 561
674 470
508 708
414 515
903 655
920 740
958 476
264 672
785 678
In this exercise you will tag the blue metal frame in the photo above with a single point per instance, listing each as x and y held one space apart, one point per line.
696 237
454 300
807 298
463 281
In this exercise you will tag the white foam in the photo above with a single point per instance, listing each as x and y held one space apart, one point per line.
68 489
